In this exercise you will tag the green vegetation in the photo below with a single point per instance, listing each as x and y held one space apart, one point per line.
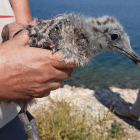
116 130
62 121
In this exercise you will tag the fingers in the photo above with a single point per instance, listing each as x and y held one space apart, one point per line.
43 92
56 61
58 74
5 33
63 65
67 73
10 29
13 28
21 39
53 84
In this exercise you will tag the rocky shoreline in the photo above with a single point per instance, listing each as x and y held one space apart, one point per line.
97 100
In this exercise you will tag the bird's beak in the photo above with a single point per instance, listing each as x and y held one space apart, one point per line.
130 53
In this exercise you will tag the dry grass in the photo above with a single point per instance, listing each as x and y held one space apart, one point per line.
61 121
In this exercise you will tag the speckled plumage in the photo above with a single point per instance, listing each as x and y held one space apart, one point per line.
79 38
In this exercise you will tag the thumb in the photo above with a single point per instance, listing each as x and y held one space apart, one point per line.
22 38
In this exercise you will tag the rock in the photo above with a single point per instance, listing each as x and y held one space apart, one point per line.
95 101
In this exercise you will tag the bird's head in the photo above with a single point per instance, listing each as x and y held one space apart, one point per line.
111 36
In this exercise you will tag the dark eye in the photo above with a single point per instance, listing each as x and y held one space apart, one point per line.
114 36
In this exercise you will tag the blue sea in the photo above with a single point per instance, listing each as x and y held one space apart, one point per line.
109 68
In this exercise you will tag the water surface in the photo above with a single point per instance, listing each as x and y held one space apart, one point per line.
108 68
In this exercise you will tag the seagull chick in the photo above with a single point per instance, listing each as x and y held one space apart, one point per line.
79 38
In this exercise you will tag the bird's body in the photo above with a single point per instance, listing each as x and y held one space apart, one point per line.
79 38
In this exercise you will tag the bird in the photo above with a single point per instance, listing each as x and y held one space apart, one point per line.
79 39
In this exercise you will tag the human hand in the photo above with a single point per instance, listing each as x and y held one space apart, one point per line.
9 30
28 72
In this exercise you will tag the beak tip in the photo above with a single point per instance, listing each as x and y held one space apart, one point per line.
138 63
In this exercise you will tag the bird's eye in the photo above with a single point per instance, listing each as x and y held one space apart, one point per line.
114 36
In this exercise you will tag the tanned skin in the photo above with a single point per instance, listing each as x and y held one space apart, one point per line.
22 11
28 72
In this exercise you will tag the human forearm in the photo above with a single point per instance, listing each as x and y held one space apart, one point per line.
22 11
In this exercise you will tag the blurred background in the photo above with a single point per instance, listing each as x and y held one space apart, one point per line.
109 68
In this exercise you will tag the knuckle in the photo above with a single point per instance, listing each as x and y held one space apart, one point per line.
38 91
43 78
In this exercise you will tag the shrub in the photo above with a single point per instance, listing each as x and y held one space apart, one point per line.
61 121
